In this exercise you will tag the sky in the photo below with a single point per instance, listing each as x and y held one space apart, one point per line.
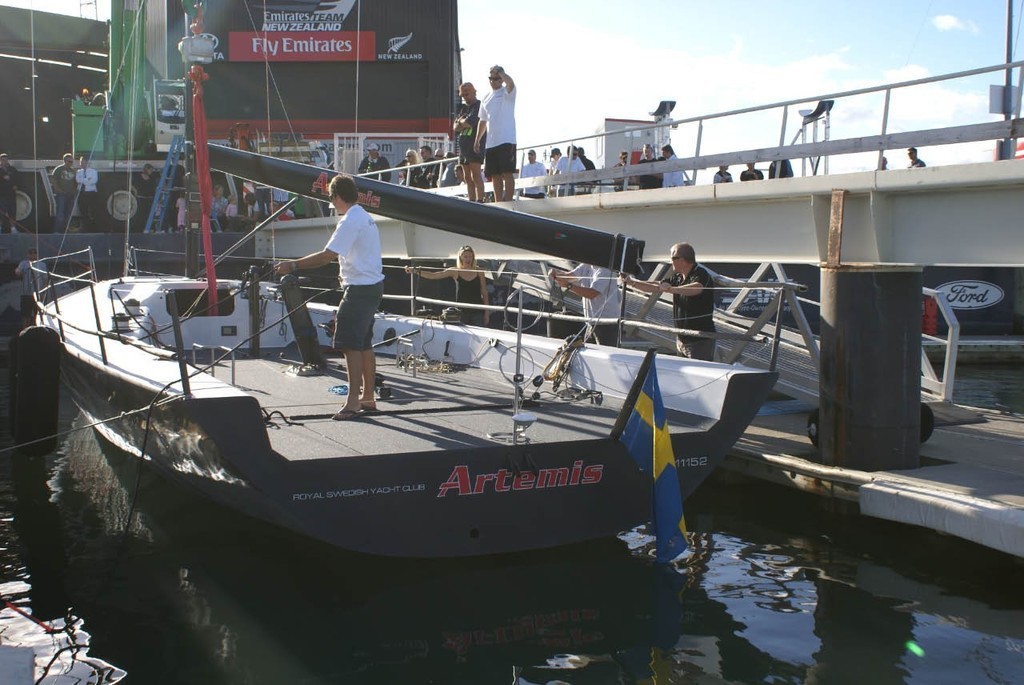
576 62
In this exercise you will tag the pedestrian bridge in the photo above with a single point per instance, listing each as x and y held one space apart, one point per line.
969 214
944 215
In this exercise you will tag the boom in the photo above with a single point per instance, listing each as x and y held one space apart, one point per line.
487 222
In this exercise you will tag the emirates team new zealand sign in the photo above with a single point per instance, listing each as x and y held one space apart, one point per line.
324 31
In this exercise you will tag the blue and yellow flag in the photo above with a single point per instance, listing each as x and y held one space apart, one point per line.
647 438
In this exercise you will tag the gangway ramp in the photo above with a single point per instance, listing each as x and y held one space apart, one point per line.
749 340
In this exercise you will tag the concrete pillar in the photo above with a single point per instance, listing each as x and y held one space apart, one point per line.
870 381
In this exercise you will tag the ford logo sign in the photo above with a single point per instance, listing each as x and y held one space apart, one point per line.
971 294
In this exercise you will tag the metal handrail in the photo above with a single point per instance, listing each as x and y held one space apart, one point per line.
560 316
799 101
989 131
807 343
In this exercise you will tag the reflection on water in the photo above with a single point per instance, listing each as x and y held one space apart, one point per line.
996 387
779 591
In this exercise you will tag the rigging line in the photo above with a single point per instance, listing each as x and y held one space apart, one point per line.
269 78
1020 22
266 66
920 27
359 36
35 135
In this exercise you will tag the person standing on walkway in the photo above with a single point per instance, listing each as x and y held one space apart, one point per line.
533 169
648 181
355 244
145 191
751 173
498 122
467 121
88 194
693 301
432 173
570 164
915 162
8 194
671 179
375 161
64 190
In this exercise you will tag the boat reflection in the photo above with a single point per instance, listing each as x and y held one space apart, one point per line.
196 593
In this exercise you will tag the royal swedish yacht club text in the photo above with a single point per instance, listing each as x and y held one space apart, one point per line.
461 481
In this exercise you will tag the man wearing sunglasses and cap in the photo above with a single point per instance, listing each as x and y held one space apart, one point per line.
498 122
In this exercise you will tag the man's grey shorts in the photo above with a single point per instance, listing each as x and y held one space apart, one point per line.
353 328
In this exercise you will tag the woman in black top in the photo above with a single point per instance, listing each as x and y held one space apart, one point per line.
470 285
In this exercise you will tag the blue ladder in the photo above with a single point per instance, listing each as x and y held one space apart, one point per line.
158 210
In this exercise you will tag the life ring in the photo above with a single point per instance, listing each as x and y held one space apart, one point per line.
24 206
35 390
121 206
28 212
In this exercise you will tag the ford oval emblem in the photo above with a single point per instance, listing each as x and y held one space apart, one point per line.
971 294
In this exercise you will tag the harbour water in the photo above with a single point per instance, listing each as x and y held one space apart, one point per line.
779 590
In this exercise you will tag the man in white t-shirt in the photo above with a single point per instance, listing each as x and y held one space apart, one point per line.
355 243
498 122
599 291
532 169
570 164
670 179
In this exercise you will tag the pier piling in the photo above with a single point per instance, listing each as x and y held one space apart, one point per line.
870 381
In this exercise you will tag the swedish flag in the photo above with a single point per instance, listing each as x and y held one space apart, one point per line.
647 438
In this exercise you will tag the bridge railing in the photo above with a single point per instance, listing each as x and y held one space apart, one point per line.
698 131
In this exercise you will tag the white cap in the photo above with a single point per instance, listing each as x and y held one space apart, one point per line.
372 147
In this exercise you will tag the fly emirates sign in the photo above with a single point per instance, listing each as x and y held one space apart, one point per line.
303 46
301 32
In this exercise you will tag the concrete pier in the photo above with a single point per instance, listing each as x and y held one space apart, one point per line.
970 483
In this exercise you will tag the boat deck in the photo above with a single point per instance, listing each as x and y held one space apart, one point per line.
970 482
434 410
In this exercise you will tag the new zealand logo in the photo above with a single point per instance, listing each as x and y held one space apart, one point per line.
397 43
394 52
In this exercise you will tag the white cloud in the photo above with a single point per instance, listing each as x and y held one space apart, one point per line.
947 22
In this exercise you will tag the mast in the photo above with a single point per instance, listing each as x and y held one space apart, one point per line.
196 50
